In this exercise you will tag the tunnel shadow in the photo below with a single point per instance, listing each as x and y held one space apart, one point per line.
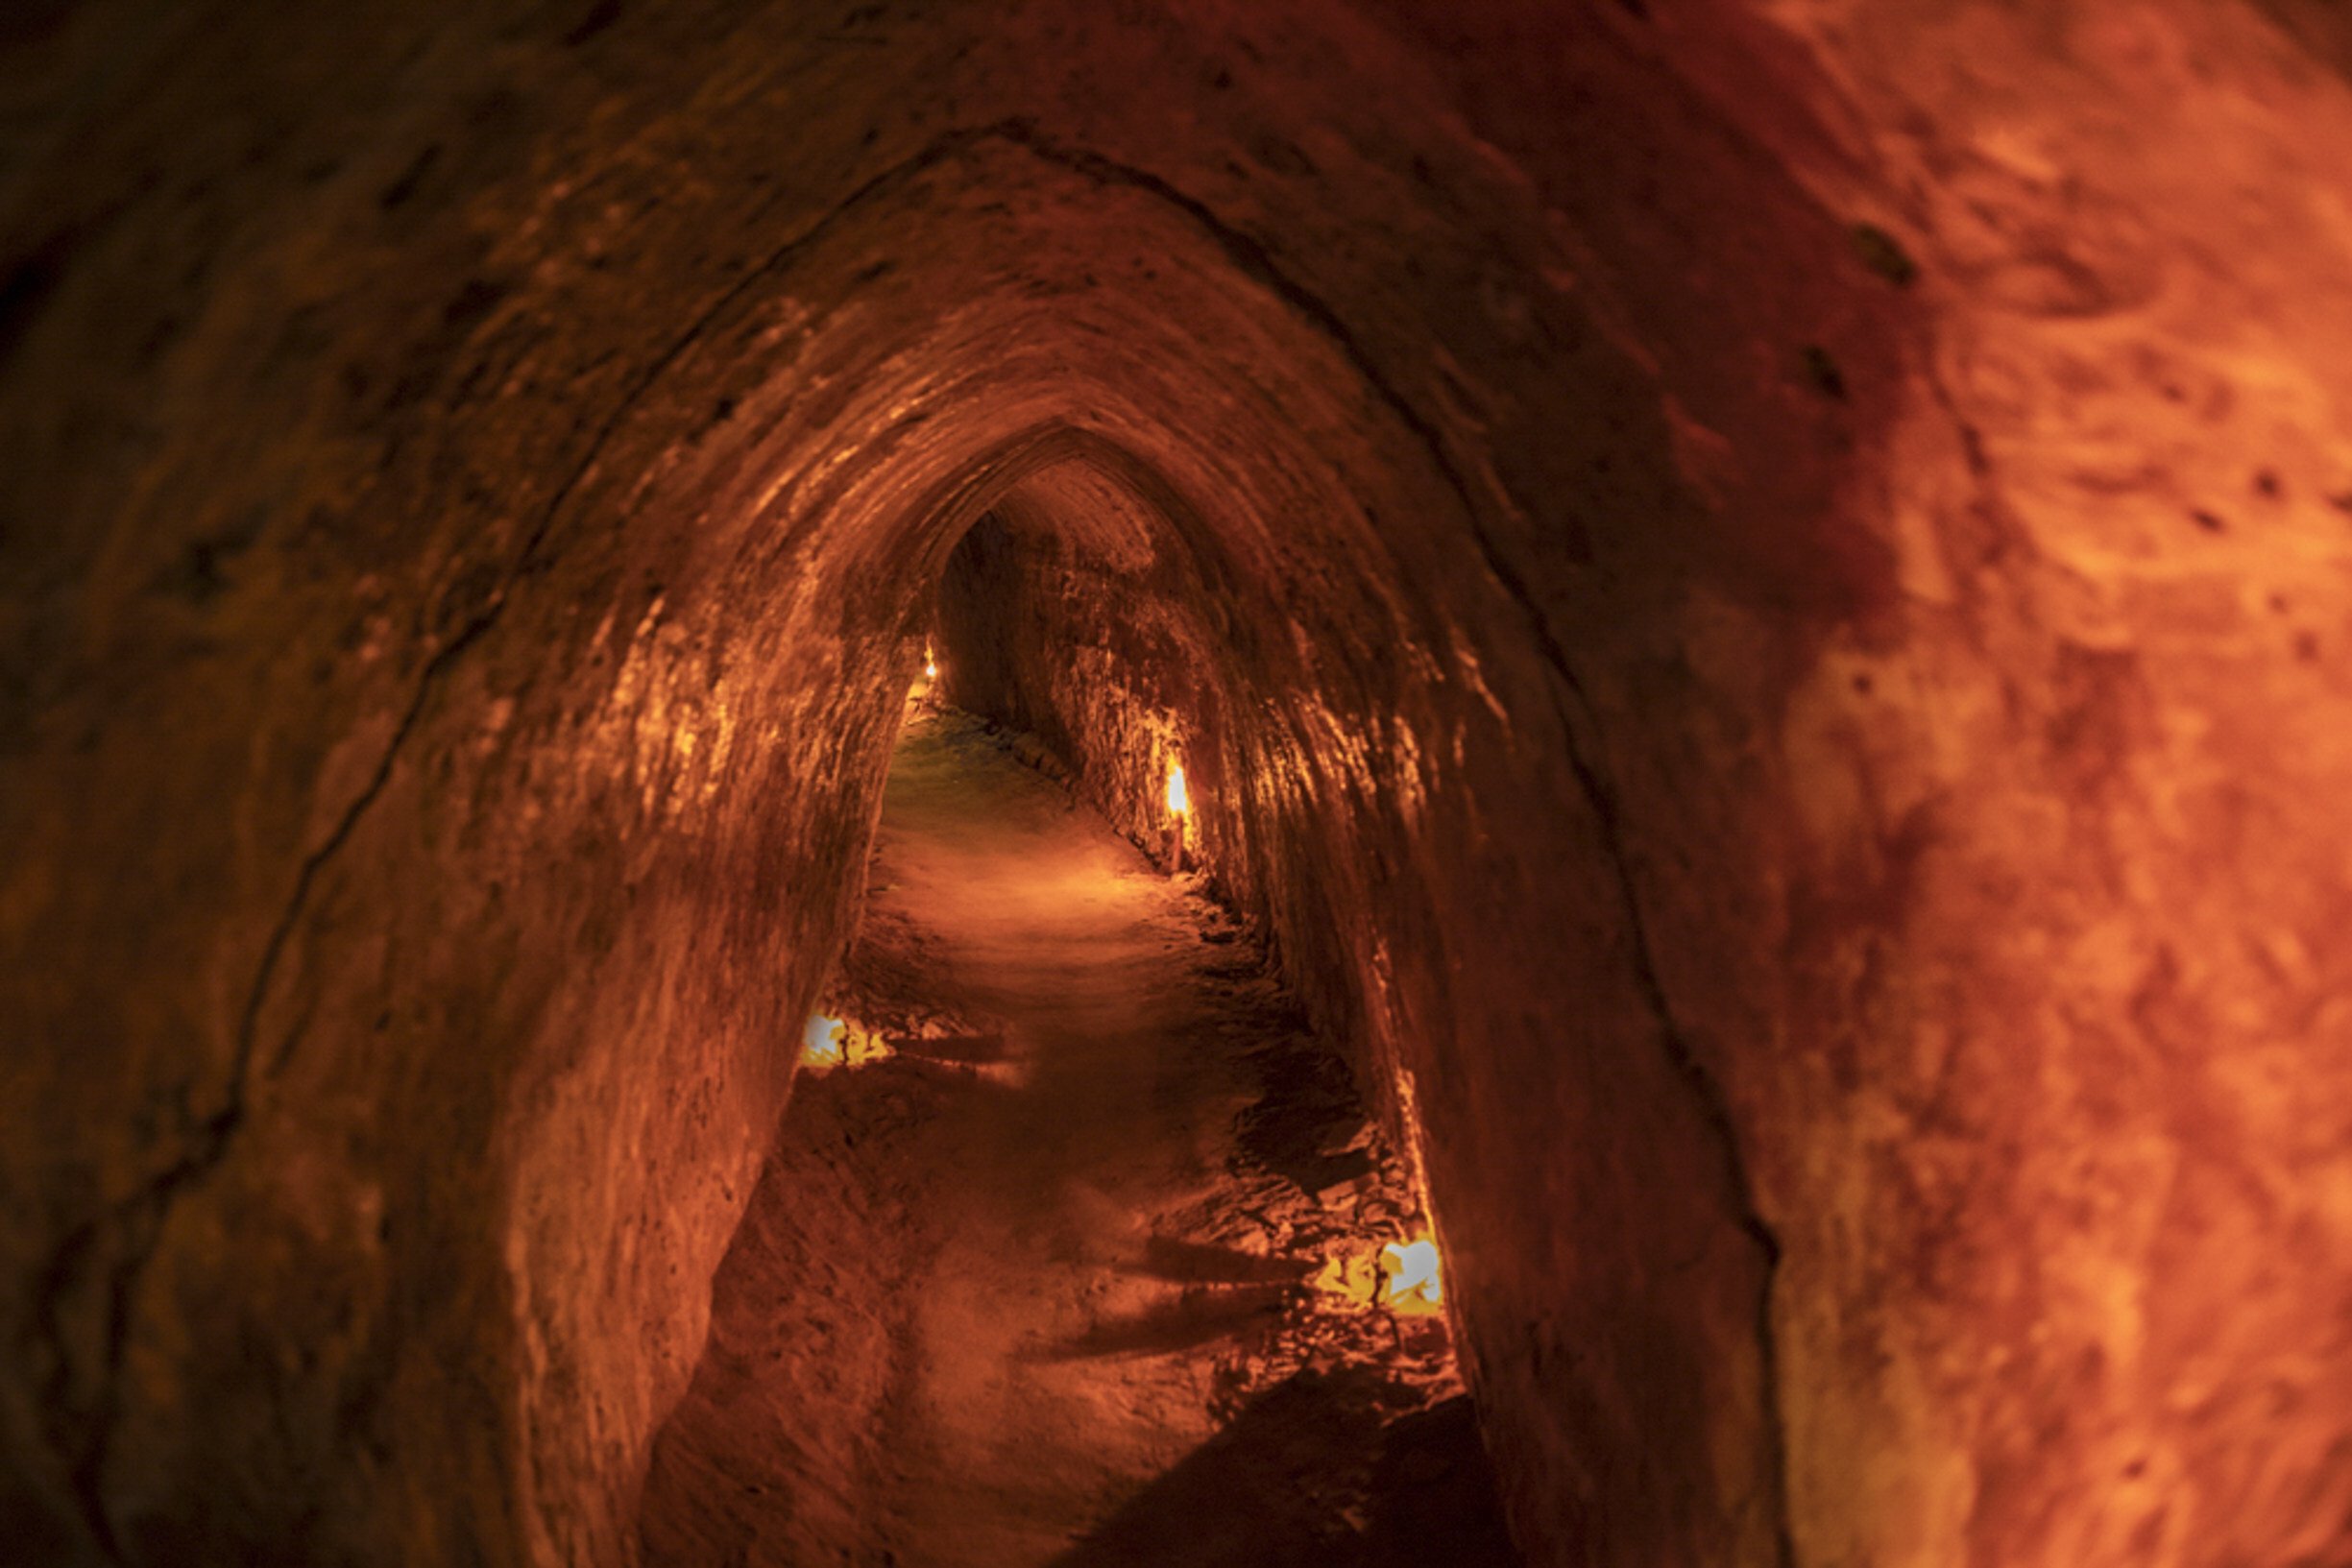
1315 1473
1197 1317
959 1050
1308 1123
1202 1263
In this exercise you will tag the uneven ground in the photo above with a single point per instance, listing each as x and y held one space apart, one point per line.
1050 1277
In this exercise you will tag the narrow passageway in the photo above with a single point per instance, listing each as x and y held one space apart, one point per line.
1075 1259
1756 598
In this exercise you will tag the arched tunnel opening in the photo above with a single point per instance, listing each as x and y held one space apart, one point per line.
1747 596
1111 1263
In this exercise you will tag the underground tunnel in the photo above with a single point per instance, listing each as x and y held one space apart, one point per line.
1747 596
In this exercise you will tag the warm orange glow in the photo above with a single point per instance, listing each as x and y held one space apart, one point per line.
930 665
1402 1276
1410 1269
825 1042
1179 801
830 1042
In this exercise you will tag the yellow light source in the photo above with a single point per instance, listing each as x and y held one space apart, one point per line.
825 1043
931 665
1179 801
1410 1269
1354 1277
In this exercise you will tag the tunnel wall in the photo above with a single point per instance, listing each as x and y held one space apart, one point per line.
1824 529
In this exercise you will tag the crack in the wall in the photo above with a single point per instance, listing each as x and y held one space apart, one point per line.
1254 259
137 1222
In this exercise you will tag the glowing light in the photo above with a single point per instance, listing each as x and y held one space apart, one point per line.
1402 1276
830 1042
825 1043
1410 1269
1179 801
1354 1277
930 665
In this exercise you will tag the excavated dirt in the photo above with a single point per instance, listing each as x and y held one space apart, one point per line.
1068 1262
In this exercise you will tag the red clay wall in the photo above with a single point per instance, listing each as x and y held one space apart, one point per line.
1764 582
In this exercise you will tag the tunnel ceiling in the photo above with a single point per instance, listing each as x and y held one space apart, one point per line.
1753 589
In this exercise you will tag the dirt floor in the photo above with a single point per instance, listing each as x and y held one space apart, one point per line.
1072 1258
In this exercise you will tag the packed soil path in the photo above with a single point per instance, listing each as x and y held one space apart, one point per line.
1072 1261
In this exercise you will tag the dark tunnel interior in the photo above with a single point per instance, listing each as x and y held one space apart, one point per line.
1750 597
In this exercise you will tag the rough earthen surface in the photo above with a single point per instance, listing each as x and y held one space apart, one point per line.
1043 1272
1752 590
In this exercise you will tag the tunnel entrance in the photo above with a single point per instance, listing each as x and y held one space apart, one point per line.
1075 1254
